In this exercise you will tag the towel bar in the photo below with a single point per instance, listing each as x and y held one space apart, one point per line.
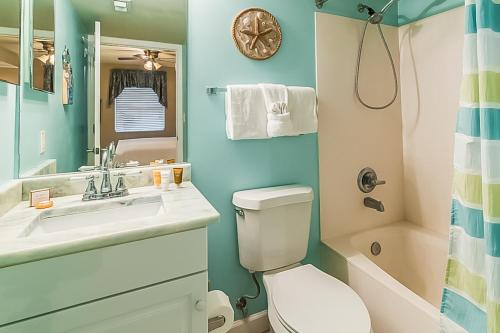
215 90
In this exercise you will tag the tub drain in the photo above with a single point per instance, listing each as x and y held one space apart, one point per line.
376 248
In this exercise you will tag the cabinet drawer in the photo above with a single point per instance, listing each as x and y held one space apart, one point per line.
43 286
166 308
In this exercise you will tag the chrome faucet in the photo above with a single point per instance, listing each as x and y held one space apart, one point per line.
367 182
107 163
374 204
106 189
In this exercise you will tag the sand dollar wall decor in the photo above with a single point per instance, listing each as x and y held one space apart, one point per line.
257 33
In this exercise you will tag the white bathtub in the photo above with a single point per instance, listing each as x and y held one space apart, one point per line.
402 286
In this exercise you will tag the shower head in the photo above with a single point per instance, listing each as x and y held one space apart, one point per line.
376 17
320 3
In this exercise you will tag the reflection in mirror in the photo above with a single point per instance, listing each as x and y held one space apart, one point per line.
138 88
10 23
115 83
42 76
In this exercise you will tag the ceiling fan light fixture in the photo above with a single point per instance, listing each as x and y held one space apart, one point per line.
148 65
120 5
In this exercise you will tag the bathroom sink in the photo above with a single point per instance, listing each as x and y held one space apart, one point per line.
88 215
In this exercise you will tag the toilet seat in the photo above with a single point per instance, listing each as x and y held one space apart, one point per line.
306 300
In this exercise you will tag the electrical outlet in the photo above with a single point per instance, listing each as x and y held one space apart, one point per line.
42 142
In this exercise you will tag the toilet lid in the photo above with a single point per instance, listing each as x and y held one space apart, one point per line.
308 300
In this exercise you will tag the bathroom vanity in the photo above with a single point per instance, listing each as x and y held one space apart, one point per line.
113 253
139 265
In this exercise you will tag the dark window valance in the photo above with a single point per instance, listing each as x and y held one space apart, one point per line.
48 77
126 78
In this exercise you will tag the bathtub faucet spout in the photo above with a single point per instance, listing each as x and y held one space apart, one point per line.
374 204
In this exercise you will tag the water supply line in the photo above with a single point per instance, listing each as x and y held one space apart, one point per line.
375 18
242 302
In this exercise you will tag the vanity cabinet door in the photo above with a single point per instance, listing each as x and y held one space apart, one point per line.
171 307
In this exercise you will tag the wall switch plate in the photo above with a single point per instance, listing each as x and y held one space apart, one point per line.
43 145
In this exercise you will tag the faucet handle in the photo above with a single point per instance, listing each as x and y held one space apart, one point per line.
368 180
120 185
376 182
91 190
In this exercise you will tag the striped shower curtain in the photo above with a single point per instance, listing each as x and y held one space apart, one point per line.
471 298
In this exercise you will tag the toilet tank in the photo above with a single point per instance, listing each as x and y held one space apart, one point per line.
273 226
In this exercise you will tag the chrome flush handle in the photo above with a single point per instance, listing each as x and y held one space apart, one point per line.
239 211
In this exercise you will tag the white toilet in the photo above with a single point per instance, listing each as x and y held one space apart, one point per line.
273 234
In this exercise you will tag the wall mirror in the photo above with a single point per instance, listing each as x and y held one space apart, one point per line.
43 46
117 79
10 32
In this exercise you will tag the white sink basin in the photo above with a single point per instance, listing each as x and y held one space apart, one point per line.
95 214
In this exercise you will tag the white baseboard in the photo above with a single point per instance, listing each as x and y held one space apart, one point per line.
256 323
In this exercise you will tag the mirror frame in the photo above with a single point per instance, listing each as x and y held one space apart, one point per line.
32 49
20 37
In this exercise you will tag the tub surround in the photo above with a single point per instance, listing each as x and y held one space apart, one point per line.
352 137
411 143
185 209
430 89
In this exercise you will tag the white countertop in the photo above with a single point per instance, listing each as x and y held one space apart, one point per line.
185 209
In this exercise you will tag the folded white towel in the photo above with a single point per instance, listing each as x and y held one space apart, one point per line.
245 113
302 105
279 122
274 93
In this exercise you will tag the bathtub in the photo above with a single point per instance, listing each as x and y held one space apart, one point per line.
401 286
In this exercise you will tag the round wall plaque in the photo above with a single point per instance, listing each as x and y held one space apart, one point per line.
257 33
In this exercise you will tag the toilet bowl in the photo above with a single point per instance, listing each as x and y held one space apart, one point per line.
273 233
306 300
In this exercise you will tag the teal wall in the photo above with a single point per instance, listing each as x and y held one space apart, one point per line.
221 166
404 12
411 10
350 9
65 126
8 105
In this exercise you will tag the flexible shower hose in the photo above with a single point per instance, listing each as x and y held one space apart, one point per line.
360 51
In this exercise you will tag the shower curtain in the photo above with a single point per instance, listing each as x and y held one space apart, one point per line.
471 298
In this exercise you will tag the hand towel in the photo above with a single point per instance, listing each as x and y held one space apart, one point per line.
302 105
279 122
245 113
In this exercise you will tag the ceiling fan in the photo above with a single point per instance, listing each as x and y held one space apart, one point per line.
149 57
44 51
